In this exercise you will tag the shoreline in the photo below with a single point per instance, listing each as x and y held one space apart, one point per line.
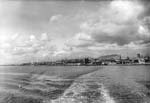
82 65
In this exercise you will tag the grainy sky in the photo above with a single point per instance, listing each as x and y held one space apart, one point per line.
37 30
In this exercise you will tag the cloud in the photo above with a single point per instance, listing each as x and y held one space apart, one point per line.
55 18
44 37
146 4
80 40
22 46
144 30
114 27
88 28
146 23
124 11
118 24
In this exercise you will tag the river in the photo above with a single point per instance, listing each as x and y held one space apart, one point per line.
75 84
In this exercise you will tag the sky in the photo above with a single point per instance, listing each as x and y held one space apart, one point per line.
37 30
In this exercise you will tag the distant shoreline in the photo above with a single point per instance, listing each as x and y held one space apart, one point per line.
82 65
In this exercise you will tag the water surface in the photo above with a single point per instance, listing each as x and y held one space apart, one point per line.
75 84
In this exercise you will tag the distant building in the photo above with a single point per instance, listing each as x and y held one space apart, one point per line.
138 55
141 61
138 61
96 62
125 61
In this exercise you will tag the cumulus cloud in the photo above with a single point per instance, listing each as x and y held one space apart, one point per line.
55 18
118 24
80 40
115 25
44 37
23 45
144 30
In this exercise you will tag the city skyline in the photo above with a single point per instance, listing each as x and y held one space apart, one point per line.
50 30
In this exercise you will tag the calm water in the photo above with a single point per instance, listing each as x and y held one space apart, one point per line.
45 84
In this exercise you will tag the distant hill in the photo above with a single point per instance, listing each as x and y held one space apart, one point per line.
109 57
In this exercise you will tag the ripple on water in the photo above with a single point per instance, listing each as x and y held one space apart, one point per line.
32 88
124 94
85 92
146 84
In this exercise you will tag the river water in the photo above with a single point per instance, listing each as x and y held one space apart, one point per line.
76 84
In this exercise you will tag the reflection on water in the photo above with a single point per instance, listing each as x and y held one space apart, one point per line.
110 84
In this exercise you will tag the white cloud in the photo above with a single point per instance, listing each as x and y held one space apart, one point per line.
14 36
60 52
142 30
123 11
144 27
83 36
55 18
23 45
80 40
116 23
114 27
45 37
32 38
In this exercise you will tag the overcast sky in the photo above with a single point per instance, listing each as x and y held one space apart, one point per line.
34 30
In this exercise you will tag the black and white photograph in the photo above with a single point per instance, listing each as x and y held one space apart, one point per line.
74 51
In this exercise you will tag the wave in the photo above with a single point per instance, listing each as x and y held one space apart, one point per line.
85 90
34 87
82 87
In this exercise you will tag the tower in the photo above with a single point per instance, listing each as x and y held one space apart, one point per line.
138 55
